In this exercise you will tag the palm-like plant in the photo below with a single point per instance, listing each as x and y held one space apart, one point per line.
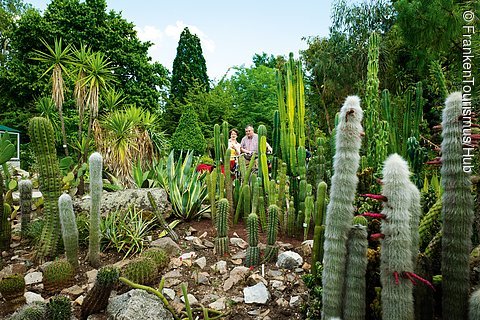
112 99
58 59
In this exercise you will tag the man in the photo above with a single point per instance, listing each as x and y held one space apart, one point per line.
249 143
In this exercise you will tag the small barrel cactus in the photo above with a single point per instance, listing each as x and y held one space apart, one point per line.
58 275
25 189
221 241
68 224
253 252
59 308
33 311
158 255
141 270
97 298
12 287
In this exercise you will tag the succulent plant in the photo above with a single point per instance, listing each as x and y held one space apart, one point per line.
69 229
253 252
12 286
221 241
96 187
59 308
58 275
33 311
25 189
142 270
5 227
158 255
271 251
97 298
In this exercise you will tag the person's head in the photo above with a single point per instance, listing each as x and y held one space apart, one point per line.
249 131
233 134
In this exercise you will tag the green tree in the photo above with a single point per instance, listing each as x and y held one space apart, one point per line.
188 135
189 72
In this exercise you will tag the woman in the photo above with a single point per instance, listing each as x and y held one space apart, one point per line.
235 146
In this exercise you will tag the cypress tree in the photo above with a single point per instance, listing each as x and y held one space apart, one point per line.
188 135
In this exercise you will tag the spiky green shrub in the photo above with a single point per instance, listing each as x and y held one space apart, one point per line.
253 252
271 251
96 188
97 298
69 229
12 286
33 311
25 189
457 213
59 308
141 270
158 255
340 208
221 224
43 143
58 275
355 287
188 135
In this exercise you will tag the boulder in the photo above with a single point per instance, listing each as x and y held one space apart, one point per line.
256 294
289 260
137 305
124 198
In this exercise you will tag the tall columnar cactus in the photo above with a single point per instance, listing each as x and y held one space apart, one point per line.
212 190
69 229
319 231
253 251
396 256
474 305
415 211
457 212
340 208
275 143
309 208
96 188
228 181
426 228
43 142
97 298
5 227
262 162
217 143
221 241
271 251
355 287
25 189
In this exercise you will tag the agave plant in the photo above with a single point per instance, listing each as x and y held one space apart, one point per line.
184 185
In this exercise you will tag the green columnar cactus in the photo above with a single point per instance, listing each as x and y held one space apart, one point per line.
96 187
43 143
441 83
319 231
457 213
25 189
228 182
262 162
253 252
301 156
247 202
221 241
474 305
142 270
355 287
225 136
255 194
5 227
275 143
282 181
212 190
291 218
340 208
217 143
97 298
58 275
426 228
69 229
221 185
396 255
262 212
309 207
302 194
271 251
171 233
59 308
158 255
415 211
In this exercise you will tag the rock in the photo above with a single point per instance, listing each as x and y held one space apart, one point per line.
282 302
256 294
295 301
137 305
220 266
170 293
255 278
33 278
208 244
188 255
73 291
79 300
112 201
19 268
284 246
275 274
167 244
236 261
218 305
239 242
172 274
92 275
236 275
290 277
170 282
240 255
201 262
201 277
277 285
306 248
191 299
32 297
289 260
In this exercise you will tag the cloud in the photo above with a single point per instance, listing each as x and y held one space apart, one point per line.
150 33
174 31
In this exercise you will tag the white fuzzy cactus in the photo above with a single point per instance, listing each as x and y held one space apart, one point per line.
69 229
96 187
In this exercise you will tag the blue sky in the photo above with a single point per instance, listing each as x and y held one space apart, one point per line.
231 32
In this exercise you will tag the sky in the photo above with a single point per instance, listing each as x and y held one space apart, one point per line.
230 32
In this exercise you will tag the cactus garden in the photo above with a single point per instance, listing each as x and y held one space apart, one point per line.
338 182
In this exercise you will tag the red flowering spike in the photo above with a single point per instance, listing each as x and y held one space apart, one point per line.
395 274
378 197
422 280
436 161
377 236
374 215
408 275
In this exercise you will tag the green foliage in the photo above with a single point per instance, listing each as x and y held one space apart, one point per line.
12 286
69 229
34 231
188 135
59 308
312 309
7 149
58 275
141 270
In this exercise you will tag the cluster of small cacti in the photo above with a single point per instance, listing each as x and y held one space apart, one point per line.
97 298
43 143
69 229
158 255
271 251
57 275
142 270
33 311
96 188
25 189
59 308
221 223
253 252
